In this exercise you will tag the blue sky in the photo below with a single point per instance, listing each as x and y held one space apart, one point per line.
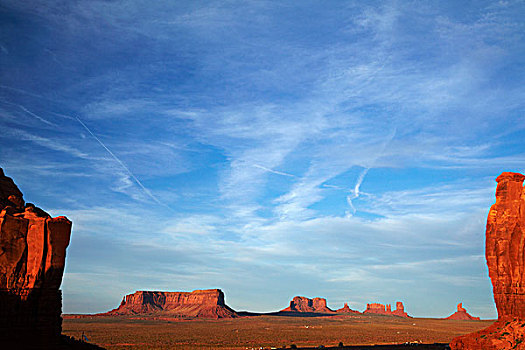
341 149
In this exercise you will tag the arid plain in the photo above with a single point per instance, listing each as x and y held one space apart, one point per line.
118 333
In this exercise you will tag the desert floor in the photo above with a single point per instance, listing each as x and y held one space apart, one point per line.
265 331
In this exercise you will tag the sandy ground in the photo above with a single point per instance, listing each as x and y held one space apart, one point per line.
265 331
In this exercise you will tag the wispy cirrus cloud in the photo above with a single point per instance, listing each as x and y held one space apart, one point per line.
48 143
137 181
265 126
273 171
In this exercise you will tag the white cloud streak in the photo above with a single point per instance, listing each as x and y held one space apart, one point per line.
137 181
273 171
50 143
43 120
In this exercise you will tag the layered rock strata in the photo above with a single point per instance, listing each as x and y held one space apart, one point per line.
505 254
303 304
376 308
461 314
199 303
32 258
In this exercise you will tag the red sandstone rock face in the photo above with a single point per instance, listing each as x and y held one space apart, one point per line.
461 314
501 335
376 308
505 243
303 304
33 247
199 303
346 309
505 253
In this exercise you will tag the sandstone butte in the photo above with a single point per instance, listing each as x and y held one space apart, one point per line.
505 254
381 309
346 309
461 314
33 251
207 303
303 304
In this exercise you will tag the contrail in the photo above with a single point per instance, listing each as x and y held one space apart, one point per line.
63 115
36 116
273 171
27 111
122 164
361 177
22 91
359 181
355 193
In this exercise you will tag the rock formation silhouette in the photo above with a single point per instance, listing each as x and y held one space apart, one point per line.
207 303
505 253
376 308
346 309
461 314
303 304
32 258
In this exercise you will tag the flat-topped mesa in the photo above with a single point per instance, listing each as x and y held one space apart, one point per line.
505 254
461 314
304 304
33 246
376 308
346 309
199 303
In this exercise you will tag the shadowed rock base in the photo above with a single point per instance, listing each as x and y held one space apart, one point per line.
31 316
32 258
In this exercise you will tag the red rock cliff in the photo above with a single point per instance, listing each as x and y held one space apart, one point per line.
199 303
33 251
505 253
303 304
504 248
